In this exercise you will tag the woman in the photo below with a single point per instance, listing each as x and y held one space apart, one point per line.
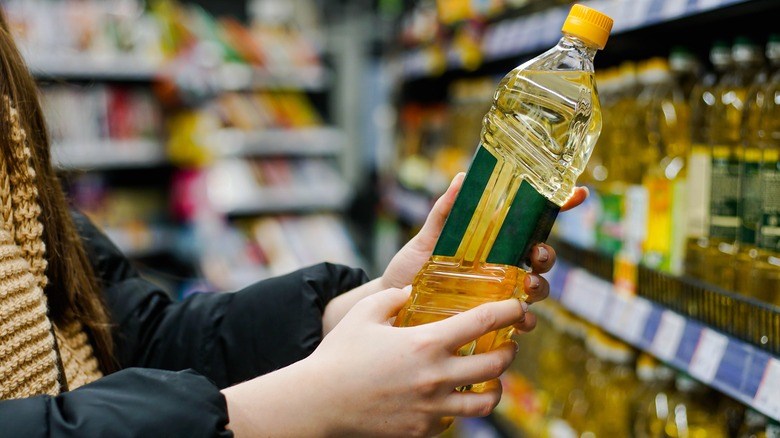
89 348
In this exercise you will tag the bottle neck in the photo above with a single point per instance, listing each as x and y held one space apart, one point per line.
586 48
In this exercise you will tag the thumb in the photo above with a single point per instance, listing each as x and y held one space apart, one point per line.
441 209
385 304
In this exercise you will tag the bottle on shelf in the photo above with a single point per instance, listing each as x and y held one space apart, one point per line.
667 118
620 167
695 411
726 149
649 405
765 270
536 140
749 206
700 160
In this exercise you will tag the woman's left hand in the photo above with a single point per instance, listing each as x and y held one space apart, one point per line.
410 259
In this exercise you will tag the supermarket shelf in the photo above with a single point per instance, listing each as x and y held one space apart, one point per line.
313 142
243 77
735 367
91 66
232 189
530 33
410 206
108 154
142 241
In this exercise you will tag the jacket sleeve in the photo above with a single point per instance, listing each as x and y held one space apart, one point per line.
228 337
129 403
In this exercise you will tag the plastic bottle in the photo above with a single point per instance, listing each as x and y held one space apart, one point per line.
536 140
650 404
758 260
621 169
694 411
667 117
700 161
731 94
765 272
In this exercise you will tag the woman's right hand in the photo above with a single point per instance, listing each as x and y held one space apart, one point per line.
368 378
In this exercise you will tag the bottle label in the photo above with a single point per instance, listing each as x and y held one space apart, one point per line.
699 169
724 198
769 226
528 220
610 228
657 245
750 205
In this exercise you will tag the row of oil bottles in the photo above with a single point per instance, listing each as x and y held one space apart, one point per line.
687 169
573 380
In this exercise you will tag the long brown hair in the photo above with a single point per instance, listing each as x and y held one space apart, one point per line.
73 292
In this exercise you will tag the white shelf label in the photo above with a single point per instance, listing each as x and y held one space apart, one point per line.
667 338
673 9
708 354
639 311
586 295
767 397
627 316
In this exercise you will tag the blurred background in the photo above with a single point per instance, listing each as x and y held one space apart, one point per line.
222 142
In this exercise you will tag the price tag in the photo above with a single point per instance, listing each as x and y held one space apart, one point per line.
708 354
586 295
667 337
634 327
767 398
673 9
704 5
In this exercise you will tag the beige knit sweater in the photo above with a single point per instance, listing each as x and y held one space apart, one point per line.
31 348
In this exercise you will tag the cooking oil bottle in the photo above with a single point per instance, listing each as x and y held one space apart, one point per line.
702 103
765 273
667 117
730 98
621 168
536 140
694 411
758 266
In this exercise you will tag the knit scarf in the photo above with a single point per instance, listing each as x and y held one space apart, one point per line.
36 357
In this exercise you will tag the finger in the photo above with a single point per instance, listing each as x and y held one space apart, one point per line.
542 258
577 198
474 404
536 287
464 327
482 367
441 209
384 304
527 324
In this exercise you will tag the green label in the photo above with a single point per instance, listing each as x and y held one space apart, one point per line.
528 222
474 185
724 198
750 205
769 215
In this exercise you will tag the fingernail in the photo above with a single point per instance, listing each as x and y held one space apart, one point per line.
533 281
542 254
524 306
517 347
407 288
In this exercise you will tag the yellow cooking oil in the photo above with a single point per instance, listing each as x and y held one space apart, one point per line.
535 141
702 104
731 96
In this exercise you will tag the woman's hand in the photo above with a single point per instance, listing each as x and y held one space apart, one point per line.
410 259
368 378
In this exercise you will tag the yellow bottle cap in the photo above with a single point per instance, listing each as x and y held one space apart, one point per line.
588 24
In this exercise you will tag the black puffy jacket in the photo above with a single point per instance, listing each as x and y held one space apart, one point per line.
175 356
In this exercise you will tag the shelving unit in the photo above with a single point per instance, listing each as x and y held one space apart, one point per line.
727 341
665 318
